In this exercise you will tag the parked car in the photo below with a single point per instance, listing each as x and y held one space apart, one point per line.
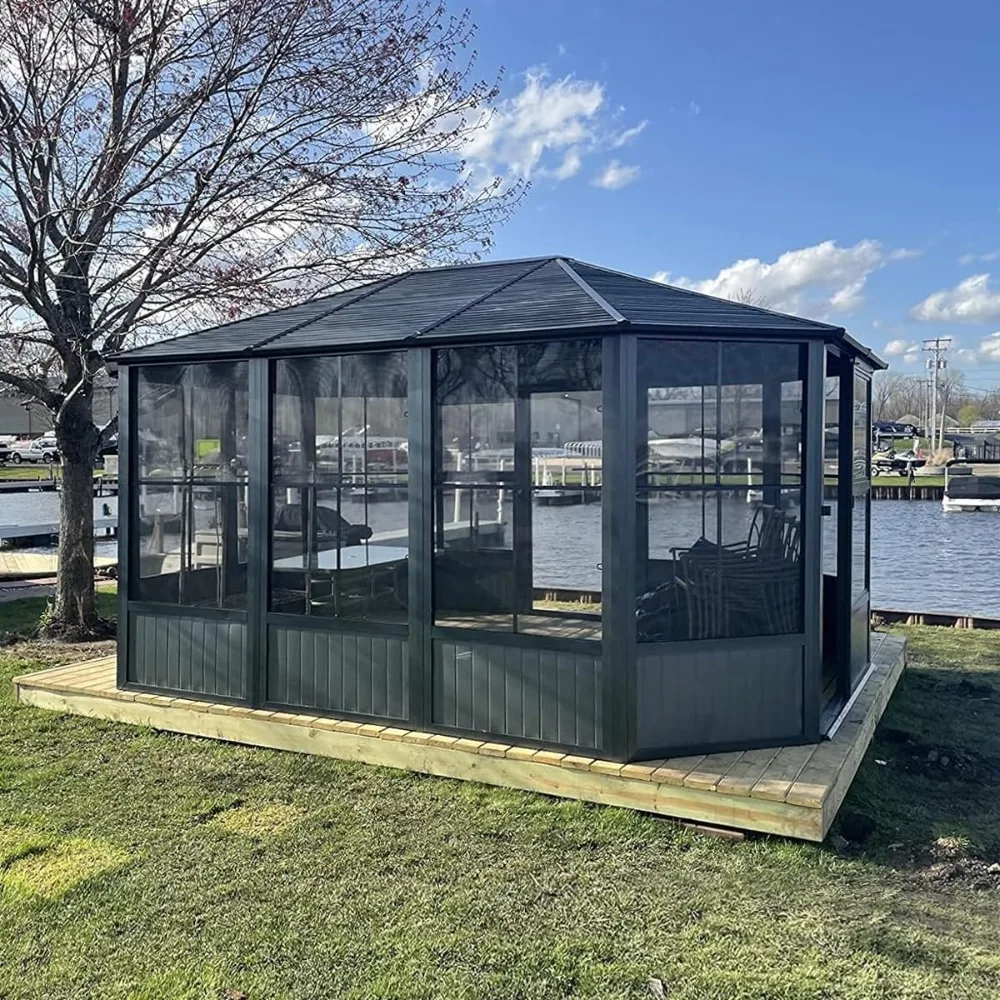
892 428
42 449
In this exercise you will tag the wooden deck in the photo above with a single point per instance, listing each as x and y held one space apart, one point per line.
791 791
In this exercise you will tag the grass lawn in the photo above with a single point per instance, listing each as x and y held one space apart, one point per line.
136 864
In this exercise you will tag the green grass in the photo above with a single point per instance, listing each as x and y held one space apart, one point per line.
21 616
136 864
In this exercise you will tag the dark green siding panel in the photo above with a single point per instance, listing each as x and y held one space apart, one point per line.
196 655
518 692
338 671
692 698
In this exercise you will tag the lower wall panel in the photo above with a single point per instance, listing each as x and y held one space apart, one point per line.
198 655
719 697
338 671
518 692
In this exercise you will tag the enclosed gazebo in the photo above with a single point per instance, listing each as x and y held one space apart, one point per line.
535 500
532 522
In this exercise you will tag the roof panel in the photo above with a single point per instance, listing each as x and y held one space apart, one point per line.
651 303
546 298
402 308
241 334
476 302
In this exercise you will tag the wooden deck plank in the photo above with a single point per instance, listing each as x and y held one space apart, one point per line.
791 791
746 772
711 770
782 772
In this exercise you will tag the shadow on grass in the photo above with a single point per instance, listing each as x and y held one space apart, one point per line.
931 776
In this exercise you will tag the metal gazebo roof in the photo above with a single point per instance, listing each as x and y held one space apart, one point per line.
483 301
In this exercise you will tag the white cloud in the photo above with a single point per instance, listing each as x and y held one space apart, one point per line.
970 301
989 347
616 175
570 165
625 137
904 253
563 119
897 348
694 108
986 258
821 279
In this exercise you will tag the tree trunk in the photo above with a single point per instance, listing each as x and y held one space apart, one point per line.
75 612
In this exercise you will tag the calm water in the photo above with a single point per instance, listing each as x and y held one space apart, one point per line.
922 558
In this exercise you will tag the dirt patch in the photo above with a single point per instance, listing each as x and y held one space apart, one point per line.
53 653
943 763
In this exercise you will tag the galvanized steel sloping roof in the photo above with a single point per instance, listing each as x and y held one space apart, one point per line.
478 302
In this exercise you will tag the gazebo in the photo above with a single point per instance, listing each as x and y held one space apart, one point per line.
532 504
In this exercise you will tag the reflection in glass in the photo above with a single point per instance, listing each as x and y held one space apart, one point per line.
339 513
859 547
192 544
192 421
719 542
518 432
191 433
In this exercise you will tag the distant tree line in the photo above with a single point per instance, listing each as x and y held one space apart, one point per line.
895 395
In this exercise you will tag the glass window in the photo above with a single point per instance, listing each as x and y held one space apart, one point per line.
192 421
859 546
862 433
719 546
339 514
517 514
191 432
831 462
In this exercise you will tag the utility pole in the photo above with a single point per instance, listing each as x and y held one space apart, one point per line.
937 346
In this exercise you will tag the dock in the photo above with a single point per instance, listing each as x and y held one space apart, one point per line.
15 565
24 534
792 791
104 486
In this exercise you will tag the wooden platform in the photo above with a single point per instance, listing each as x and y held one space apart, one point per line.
791 791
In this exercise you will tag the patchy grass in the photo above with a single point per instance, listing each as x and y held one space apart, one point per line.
259 821
23 616
361 882
51 870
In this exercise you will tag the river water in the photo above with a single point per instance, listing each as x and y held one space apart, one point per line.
922 558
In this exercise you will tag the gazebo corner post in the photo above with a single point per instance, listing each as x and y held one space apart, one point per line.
127 513
812 555
420 505
620 453
258 517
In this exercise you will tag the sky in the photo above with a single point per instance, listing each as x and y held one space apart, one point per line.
839 160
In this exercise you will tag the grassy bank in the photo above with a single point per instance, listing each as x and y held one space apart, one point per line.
143 865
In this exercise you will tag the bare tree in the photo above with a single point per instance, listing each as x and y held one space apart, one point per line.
168 163
750 297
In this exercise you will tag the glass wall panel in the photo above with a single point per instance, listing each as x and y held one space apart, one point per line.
719 546
191 433
859 547
192 421
339 460
517 478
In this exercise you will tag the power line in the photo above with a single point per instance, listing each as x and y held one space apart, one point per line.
936 346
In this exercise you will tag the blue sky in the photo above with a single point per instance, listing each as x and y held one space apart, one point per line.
840 159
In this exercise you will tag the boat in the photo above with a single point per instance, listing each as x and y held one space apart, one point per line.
973 487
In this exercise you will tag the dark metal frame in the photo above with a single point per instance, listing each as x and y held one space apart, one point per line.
617 650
